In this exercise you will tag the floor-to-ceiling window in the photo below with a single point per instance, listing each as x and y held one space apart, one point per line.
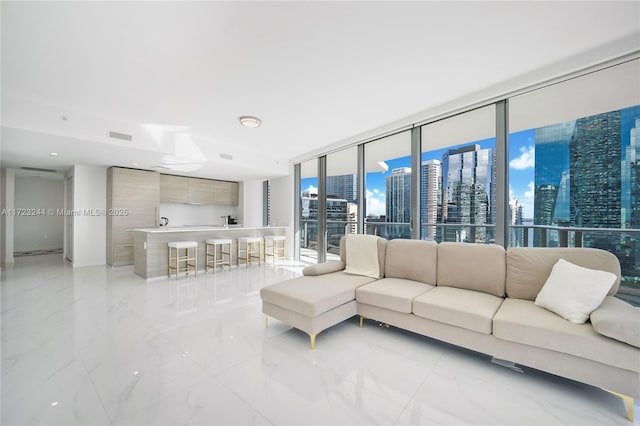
308 199
458 175
388 186
342 197
574 166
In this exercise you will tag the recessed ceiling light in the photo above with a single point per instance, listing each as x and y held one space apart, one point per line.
53 154
134 164
249 121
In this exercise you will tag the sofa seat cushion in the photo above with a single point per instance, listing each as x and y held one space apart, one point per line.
473 310
313 295
521 321
392 293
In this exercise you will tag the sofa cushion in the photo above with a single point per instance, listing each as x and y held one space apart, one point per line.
479 267
573 292
473 310
617 319
528 268
391 293
313 295
415 260
522 321
362 255
382 249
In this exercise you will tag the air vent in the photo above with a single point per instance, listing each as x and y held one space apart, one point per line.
122 136
36 169
226 156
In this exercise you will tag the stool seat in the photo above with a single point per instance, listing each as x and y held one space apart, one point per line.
218 241
249 239
182 244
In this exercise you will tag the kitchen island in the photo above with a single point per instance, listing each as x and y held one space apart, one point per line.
150 244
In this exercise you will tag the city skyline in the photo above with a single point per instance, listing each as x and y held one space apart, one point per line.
523 177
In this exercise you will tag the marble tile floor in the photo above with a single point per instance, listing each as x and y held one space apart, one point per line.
101 346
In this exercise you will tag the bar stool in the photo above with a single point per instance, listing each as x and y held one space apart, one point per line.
187 257
277 244
211 253
251 249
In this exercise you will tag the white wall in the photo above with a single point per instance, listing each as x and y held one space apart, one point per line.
90 231
251 202
7 220
189 214
282 211
39 231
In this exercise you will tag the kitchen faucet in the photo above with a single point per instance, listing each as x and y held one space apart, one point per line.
226 221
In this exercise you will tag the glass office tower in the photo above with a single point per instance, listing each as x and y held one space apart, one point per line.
468 176
398 202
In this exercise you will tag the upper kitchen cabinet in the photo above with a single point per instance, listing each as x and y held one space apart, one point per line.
174 189
225 193
180 189
133 198
200 191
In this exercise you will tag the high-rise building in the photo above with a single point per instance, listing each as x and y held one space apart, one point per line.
430 197
595 183
516 218
552 189
343 186
398 202
468 189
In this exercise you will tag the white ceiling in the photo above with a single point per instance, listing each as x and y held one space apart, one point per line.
177 75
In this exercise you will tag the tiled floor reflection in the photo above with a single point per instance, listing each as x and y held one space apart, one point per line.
100 346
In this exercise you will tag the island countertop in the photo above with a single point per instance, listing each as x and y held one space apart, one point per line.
150 244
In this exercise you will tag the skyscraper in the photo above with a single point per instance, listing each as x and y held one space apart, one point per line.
430 197
595 183
343 186
468 192
552 189
398 202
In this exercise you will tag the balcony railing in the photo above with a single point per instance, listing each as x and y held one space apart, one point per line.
623 243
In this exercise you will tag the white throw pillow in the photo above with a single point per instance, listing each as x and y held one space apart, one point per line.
573 292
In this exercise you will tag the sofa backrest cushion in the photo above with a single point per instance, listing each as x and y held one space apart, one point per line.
415 260
382 249
479 267
529 267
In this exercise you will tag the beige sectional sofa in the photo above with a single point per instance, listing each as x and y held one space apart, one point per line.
479 297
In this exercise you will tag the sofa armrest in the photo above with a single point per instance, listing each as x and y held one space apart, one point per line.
324 268
618 320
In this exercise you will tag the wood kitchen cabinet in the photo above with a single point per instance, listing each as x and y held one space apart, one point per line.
200 191
225 193
180 189
174 189
133 199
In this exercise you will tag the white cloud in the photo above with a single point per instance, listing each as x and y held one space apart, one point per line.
375 202
526 160
527 202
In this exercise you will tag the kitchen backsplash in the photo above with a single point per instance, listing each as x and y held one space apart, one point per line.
191 214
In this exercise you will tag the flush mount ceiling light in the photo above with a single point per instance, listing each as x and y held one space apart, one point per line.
53 154
249 121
